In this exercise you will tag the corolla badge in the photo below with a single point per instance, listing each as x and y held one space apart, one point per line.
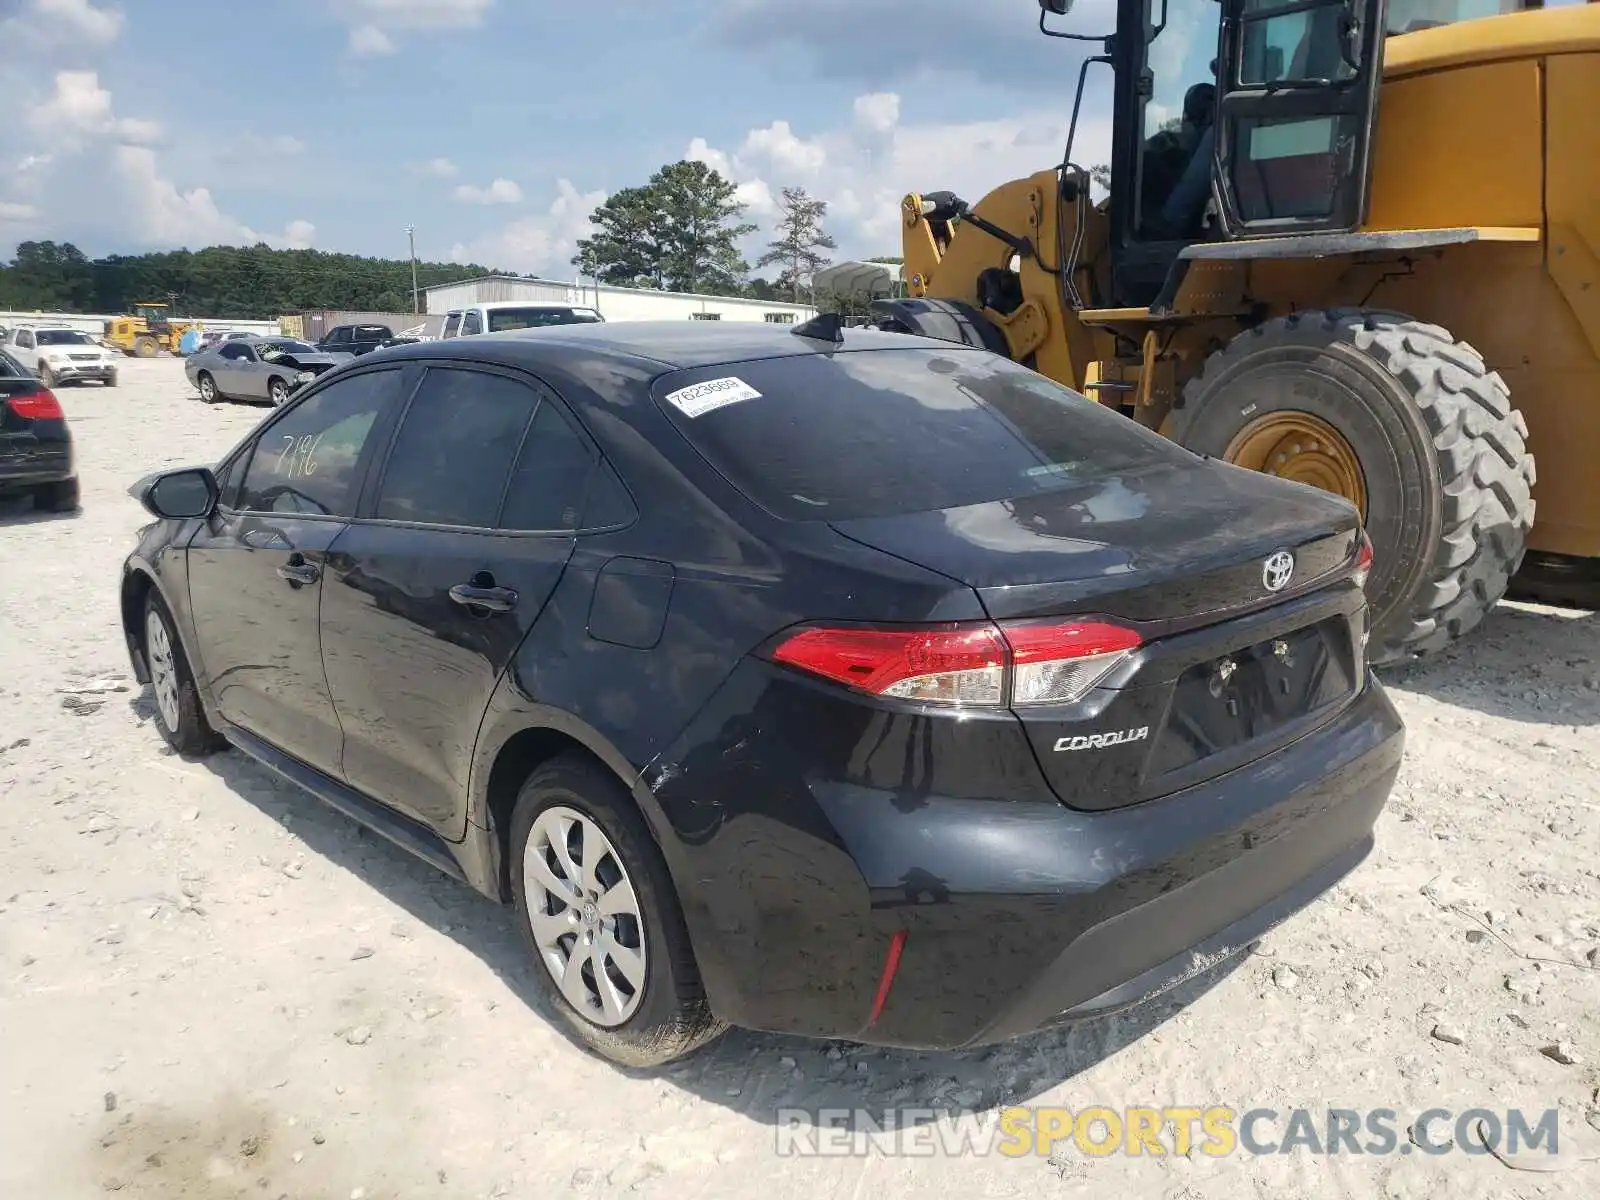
1277 571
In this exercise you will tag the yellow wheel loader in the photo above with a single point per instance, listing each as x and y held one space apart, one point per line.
147 332
1348 243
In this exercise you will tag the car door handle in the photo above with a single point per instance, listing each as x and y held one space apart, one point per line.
491 599
298 571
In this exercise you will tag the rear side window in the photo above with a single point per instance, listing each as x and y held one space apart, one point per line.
471 323
306 462
454 452
876 433
547 487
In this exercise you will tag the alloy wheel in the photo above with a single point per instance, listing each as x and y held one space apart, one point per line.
584 914
163 670
208 389
278 392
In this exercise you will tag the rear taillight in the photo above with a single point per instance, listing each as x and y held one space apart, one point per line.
1363 569
980 664
1055 663
953 664
41 405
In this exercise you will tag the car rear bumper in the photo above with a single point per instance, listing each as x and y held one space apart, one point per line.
1017 914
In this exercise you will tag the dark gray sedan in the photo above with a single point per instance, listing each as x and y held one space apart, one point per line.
257 368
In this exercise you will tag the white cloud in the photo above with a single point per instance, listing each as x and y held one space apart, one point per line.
543 243
80 108
10 211
299 235
878 112
368 41
423 14
97 25
34 162
374 22
789 156
437 168
501 191
160 213
284 144
864 169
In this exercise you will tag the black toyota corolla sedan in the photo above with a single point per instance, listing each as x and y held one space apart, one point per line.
876 689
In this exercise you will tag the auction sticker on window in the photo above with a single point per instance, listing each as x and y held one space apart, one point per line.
698 399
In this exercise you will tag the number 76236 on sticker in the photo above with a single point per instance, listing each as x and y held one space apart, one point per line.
700 398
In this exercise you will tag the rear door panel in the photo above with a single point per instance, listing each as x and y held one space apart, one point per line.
409 669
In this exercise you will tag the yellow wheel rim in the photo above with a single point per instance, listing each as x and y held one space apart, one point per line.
1304 448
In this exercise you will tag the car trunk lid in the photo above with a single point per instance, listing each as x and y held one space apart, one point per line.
1236 657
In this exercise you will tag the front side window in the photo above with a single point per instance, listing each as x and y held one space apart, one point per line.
454 451
237 352
471 323
452 325
306 462
25 339
64 337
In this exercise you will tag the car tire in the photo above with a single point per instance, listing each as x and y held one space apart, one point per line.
179 714
1441 448
59 497
277 392
110 380
662 1015
208 388
46 376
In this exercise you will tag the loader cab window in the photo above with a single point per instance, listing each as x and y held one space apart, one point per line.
1408 16
1176 151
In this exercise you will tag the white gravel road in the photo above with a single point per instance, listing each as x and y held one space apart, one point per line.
212 987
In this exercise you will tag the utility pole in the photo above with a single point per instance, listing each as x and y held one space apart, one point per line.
416 305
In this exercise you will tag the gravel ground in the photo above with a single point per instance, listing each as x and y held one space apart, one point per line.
210 986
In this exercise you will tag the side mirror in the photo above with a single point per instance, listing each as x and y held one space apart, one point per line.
181 495
1058 8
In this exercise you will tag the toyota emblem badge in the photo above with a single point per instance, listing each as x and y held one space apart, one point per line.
1277 571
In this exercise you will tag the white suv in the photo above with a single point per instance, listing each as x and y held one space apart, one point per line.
59 354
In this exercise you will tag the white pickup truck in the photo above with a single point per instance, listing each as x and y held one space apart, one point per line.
502 316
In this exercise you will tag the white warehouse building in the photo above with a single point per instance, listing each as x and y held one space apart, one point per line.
613 303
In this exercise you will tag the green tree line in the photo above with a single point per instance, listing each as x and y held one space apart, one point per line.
238 282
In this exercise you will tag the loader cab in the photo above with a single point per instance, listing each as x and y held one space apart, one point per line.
1235 119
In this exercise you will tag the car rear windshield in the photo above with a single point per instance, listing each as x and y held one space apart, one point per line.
877 433
504 320
64 337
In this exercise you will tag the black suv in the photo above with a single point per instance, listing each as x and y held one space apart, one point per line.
873 688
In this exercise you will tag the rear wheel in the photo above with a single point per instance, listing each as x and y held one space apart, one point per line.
1406 423
61 496
208 387
146 347
599 912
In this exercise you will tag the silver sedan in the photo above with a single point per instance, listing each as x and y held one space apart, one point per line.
257 368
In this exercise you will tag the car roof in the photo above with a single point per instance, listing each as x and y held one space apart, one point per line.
666 345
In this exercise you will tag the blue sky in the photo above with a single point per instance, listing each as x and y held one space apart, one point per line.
495 126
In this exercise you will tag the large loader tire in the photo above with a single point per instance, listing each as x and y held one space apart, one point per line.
146 347
1406 422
